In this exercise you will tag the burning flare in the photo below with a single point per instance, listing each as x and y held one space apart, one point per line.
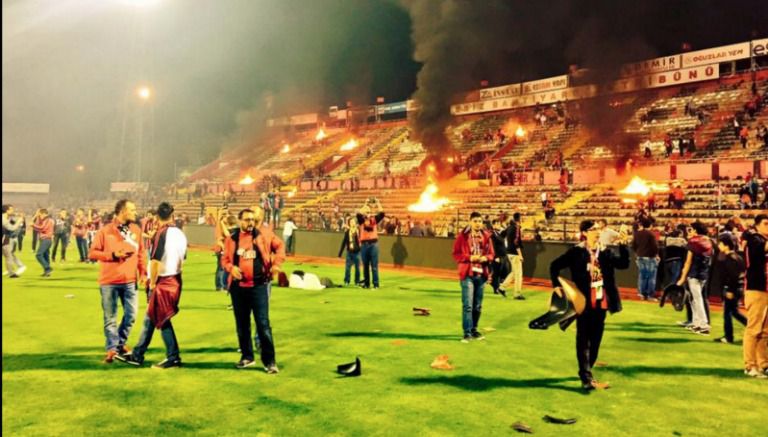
349 145
320 135
520 132
247 180
639 188
292 192
428 201
286 148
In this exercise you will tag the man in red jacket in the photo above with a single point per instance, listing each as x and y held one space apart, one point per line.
252 254
42 223
473 251
119 248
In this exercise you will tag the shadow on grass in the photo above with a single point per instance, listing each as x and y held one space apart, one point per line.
388 335
659 340
672 371
642 327
477 383
21 362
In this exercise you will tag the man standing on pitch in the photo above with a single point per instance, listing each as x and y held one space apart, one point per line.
756 299
472 251
168 250
251 255
120 251
515 254
369 240
42 223
592 270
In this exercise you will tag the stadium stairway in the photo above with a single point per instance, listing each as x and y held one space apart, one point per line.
375 156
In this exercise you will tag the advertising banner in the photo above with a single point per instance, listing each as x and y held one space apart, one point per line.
549 84
26 188
117 187
716 55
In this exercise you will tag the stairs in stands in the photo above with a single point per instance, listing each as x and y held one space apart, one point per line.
375 156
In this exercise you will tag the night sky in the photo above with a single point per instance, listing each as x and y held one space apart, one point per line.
71 67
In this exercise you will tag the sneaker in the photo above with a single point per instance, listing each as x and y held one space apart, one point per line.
272 369
21 270
503 292
128 359
519 297
466 339
13 276
477 336
652 299
723 340
110 357
167 364
684 324
242 364
123 350
754 373
346 284
700 331
375 287
229 307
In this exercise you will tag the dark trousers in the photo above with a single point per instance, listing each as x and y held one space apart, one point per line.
64 240
21 240
247 301
730 312
35 237
589 333
220 277
82 247
145 338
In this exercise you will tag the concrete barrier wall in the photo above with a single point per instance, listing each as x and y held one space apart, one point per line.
418 251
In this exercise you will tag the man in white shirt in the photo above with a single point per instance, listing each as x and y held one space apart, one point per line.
167 253
288 229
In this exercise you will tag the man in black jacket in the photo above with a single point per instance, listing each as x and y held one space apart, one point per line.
500 264
592 270
728 275
514 234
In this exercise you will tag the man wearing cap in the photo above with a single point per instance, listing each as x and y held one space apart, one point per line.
592 270
369 238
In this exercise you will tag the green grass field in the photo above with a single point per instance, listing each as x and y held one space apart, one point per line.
665 380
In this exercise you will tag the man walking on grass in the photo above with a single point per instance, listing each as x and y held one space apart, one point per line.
472 251
43 225
120 251
167 254
252 254
11 229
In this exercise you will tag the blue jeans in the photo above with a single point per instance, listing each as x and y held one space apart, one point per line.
82 248
220 275
352 258
126 294
673 269
471 302
369 253
276 218
288 244
646 276
44 254
64 239
169 338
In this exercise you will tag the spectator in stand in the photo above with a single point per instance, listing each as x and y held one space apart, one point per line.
667 146
647 250
351 243
678 196
43 224
288 229
543 196
80 229
416 230
756 299
429 230
62 229
696 272
472 251
736 126
549 211
728 273
279 204
744 136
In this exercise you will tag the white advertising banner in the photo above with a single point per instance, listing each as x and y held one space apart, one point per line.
500 92
298 120
117 187
665 63
26 188
716 55
667 78
760 47
542 85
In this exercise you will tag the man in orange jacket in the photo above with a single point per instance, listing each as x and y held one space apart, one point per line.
252 254
119 248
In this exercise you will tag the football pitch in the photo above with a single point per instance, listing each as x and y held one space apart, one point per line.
665 381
